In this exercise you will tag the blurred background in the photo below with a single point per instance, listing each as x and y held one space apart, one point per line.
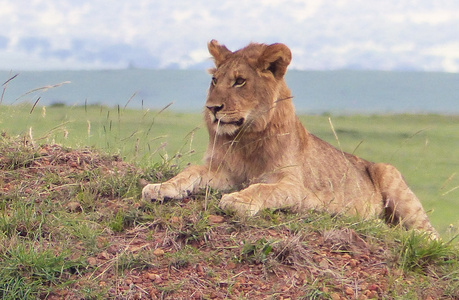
349 56
420 35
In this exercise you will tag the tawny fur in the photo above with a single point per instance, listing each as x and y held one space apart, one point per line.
258 146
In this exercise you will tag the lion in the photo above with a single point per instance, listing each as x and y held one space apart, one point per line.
259 148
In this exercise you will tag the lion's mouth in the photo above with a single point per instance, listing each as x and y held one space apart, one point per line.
237 123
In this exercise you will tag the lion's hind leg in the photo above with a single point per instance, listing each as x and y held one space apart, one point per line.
401 206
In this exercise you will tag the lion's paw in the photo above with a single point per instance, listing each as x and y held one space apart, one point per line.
241 204
162 191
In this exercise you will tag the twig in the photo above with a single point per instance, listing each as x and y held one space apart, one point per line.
6 82
153 121
44 88
451 190
35 104
5 85
357 147
283 99
334 133
133 95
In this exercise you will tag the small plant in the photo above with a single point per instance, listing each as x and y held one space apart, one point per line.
130 261
124 219
418 251
26 271
183 257
256 252
26 222
16 153
117 223
163 170
196 229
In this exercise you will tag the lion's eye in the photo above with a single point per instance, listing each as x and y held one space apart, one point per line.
214 81
239 82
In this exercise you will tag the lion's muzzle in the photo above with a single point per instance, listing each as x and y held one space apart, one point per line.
224 118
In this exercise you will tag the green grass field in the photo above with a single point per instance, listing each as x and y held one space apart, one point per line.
423 147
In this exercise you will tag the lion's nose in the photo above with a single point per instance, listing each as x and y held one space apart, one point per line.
214 109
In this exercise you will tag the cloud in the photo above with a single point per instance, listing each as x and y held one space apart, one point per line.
31 44
447 54
3 42
323 34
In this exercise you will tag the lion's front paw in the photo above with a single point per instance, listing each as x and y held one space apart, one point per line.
241 204
162 191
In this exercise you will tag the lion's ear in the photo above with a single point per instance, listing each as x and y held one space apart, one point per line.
275 59
219 52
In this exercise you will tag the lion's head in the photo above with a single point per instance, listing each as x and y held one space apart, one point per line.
245 86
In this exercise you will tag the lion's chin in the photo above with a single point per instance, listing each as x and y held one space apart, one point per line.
229 129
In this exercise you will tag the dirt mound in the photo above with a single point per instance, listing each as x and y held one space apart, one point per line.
28 169
188 249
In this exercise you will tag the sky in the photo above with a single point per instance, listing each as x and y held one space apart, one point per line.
421 35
